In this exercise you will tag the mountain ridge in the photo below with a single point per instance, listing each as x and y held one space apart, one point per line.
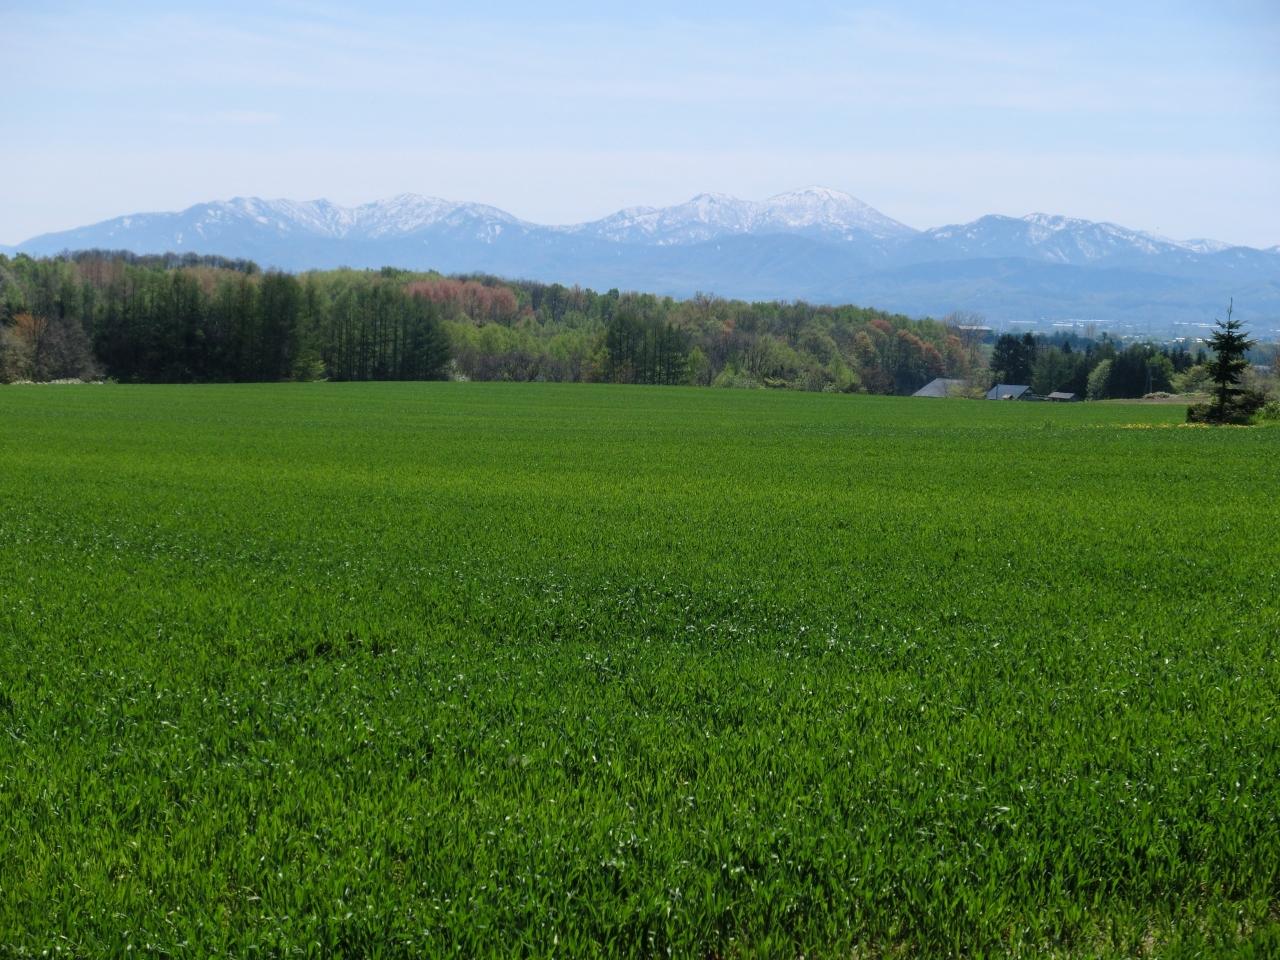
332 219
817 242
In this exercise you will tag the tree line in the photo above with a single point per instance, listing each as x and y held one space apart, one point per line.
195 318
202 318
163 319
1099 369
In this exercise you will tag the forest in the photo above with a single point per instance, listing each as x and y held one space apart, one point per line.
191 318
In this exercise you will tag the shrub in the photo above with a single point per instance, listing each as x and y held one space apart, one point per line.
1270 410
1240 408
739 379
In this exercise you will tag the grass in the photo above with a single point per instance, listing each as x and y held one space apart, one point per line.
485 669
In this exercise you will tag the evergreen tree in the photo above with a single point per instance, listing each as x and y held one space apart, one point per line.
1231 403
1229 343
1013 358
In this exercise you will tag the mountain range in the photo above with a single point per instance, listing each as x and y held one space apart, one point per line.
815 244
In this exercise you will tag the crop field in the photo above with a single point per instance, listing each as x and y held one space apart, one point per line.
412 670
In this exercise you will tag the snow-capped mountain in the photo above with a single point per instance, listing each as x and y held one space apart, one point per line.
1067 240
409 213
1047 238
818 244
251 218
1202 245
814 211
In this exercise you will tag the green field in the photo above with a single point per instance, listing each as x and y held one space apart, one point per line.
488 669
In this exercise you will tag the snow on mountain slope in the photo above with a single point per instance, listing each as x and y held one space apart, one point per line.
706 216
1204 245
401 215
409 213
829 209
1052 239
814 211
252 221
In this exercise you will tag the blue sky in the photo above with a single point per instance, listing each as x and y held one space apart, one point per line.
1161 116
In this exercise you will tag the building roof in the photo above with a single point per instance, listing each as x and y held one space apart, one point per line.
1061 395
1008 391
940 387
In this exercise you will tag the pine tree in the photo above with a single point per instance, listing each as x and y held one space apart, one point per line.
1229 343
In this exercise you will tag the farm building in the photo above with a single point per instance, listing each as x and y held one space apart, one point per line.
1010 391
1061 396
940 387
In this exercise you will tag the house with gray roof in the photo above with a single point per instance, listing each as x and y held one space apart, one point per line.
940 387
1010 391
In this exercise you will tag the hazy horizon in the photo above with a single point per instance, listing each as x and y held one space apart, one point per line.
1163 118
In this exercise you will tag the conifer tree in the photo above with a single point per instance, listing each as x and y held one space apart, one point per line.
1229 343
